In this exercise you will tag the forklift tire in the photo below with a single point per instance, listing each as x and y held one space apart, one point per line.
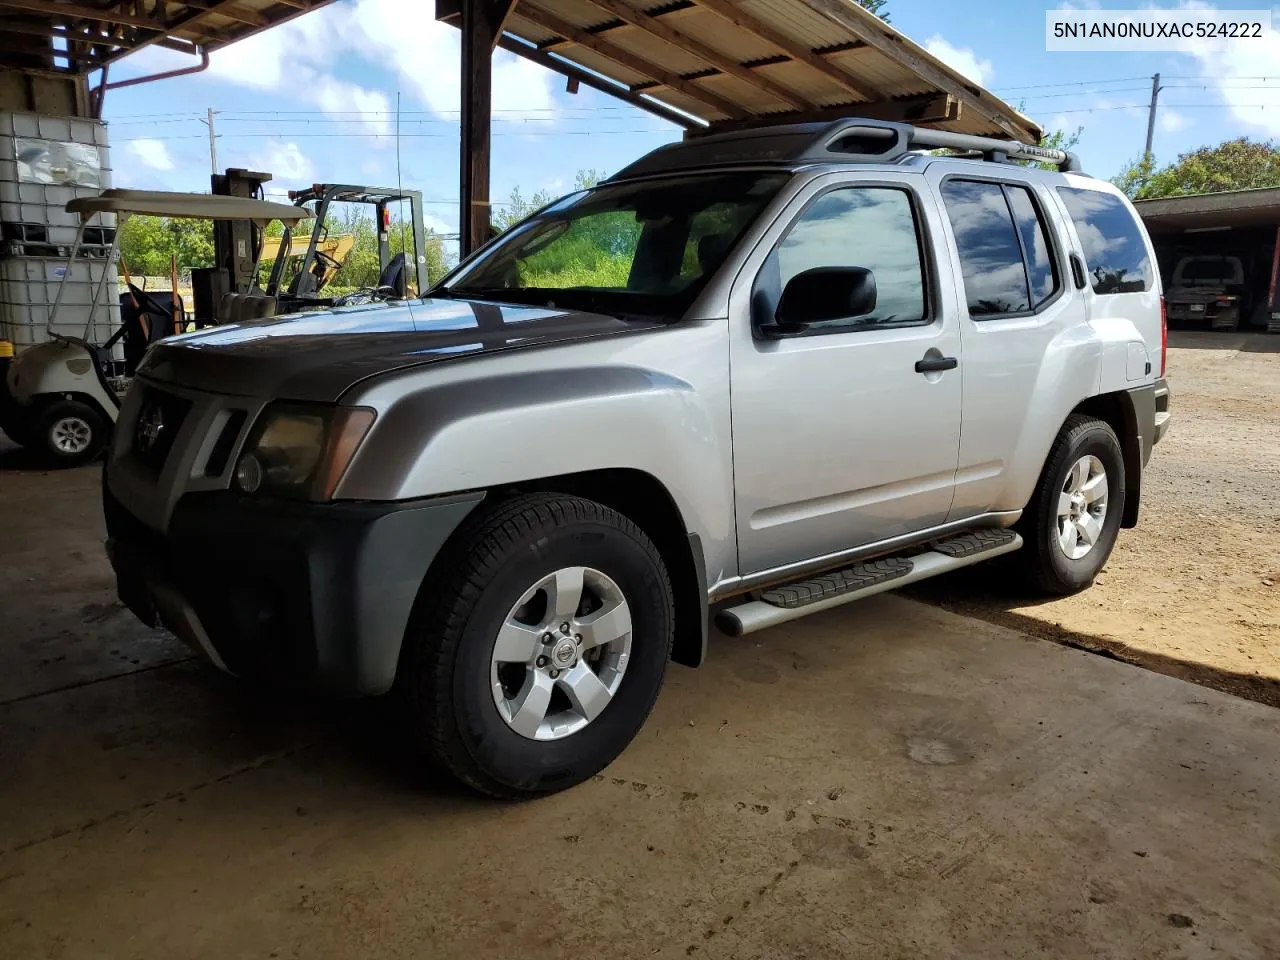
72 433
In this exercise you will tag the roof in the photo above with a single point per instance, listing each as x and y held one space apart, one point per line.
99 32
1231 208
191 206
742 62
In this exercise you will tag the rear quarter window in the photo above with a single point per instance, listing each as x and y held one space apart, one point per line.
1115 248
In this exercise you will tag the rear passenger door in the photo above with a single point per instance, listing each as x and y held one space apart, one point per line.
1017 318
838 439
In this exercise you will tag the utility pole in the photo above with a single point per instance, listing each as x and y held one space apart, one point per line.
213 144
1151 114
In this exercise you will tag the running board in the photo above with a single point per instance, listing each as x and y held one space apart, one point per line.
794 600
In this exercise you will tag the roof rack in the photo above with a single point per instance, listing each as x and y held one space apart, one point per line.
848 140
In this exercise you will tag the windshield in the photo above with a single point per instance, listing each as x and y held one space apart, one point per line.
1210 268
634 248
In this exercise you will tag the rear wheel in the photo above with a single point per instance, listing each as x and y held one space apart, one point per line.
1074 518
538 649
72 432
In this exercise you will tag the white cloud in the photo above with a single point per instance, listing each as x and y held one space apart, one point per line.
151 153
1169 120
961 59
1234 76
286 163
427 54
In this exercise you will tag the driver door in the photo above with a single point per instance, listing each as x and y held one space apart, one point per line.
838 440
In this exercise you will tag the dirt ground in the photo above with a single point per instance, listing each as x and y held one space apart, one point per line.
885 780
1194 590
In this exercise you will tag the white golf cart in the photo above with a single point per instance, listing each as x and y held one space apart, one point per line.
62 396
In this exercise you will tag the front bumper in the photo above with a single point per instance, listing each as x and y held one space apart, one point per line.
316 596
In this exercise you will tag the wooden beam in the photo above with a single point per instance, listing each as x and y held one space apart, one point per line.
932 108
44 53
631 61
223 8
868 28
683 41
793 49
585 77
482 24
68 10
450 12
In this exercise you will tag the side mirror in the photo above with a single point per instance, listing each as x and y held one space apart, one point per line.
823 293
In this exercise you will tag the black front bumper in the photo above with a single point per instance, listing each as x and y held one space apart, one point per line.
316 596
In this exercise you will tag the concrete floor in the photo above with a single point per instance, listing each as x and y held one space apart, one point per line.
890 780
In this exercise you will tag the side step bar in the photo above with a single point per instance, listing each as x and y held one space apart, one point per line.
795 600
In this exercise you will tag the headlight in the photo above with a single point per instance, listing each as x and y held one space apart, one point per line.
301 451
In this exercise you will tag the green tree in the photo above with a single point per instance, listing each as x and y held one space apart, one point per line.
1238 164
875 6
147 243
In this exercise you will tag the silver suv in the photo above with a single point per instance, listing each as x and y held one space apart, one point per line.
774 370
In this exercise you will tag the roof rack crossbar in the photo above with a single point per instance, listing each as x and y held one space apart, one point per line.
990 147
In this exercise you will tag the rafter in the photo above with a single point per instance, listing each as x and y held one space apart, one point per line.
68 10
796 51
631 61
683 41
865 26
929 108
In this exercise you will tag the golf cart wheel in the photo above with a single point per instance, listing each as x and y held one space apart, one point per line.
72 433
1071 524
538 645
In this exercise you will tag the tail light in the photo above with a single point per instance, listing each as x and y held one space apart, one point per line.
1164 337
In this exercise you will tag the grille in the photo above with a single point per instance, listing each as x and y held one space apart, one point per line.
160 418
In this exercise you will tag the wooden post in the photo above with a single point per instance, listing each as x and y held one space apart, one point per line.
176 303
482 24
1273 302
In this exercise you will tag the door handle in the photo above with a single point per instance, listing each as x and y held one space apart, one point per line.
936 364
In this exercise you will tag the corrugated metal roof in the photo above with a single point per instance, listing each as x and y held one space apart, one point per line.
729 62
99 32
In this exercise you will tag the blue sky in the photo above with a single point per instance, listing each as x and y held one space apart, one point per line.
315 100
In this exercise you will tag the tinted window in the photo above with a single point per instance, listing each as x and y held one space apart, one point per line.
1040 268
871 227
1114 249
995 279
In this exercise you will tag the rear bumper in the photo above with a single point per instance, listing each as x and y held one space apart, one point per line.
316 596
1160 425
1151 414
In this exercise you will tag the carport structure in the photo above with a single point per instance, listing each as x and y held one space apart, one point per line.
705 65
1243 223
711 65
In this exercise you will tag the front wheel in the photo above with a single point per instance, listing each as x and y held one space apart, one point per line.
72 432
538 645
1072 521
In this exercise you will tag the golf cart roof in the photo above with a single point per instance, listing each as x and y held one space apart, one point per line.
191 206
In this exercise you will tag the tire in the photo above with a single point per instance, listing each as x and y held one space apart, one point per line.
1050 568
71 433
456 692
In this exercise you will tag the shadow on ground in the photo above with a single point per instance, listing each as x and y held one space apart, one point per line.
1251 341
971 592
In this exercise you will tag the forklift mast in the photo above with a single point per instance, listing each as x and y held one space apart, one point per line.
236 243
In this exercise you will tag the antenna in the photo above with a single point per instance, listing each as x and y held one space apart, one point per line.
400 183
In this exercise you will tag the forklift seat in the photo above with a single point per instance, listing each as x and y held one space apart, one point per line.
395 277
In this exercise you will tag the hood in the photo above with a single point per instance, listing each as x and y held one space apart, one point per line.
320 355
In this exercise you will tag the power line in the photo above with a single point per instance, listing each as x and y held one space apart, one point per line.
1069 83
